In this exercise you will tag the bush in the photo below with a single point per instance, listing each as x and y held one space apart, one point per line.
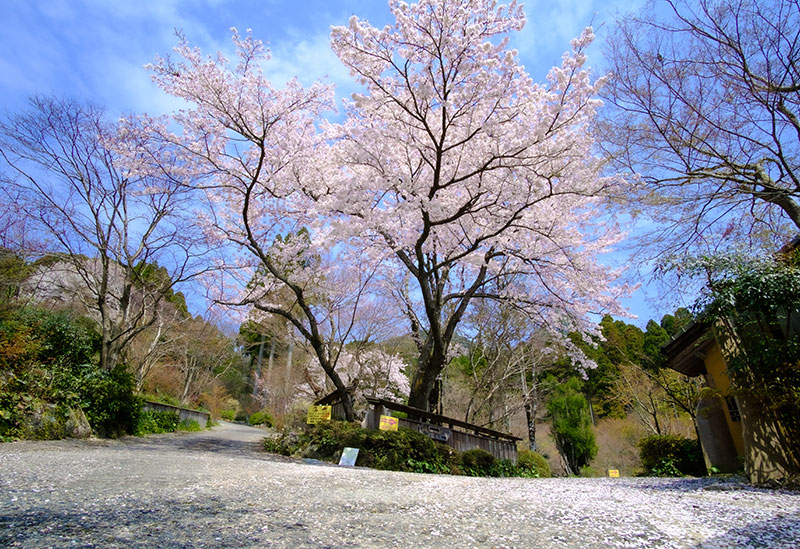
228 415
48 366
671 455
587 472
504 468
262 418
405 450
112 408
401 450
162 398
532 464
327 440
189 425
476 463
279 445
152 421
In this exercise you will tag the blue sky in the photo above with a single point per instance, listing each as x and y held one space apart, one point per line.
96 49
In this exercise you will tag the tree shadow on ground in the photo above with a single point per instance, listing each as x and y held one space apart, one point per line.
772 533
197 442
693 484
172 522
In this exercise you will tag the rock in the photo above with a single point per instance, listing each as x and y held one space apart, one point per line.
43 422
77 426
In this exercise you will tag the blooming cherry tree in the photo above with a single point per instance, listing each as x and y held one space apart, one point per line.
468 179
257 153
367 371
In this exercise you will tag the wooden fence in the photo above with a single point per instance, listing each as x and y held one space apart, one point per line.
447 430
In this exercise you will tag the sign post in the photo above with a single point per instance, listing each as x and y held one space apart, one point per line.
318 414
388 423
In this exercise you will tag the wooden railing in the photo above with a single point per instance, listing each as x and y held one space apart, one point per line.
445 429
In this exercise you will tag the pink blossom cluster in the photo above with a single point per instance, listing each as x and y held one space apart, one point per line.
454 177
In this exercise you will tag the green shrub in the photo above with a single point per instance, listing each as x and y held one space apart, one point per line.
156 421
228 415
477 463
189 425
587 472
111 406
162 398
277 445
504 468
401 450
262 418
532 464
671 455
48 361
327 440
405 450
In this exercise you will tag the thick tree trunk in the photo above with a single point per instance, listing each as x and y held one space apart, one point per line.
424 381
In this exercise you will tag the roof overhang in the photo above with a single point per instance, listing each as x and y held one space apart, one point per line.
685 352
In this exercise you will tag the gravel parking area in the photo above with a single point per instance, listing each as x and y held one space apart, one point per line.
217 488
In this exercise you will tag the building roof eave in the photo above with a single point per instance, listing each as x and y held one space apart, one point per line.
686 350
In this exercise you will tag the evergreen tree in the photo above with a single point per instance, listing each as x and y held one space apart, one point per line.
572 426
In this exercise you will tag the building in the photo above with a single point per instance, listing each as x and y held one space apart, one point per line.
735 434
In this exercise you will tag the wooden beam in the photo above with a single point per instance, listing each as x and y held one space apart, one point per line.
451 422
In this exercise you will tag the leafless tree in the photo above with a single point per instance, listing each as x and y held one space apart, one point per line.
76 180
506 360
202 354
705 100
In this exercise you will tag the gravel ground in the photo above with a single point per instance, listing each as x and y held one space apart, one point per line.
218 489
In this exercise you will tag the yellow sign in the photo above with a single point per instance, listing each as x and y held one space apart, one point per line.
388 423
318 414
613 473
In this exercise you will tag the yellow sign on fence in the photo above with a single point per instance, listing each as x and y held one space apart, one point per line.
318 414
613 473
388 423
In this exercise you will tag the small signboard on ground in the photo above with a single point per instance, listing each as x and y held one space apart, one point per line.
318 414
613 473
388 423
349 457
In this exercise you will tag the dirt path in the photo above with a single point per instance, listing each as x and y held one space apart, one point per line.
217 489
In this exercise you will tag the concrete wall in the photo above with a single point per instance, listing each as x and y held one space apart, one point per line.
184 413
717 377
765 459
718 446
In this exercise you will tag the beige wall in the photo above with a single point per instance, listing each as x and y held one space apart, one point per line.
717 377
